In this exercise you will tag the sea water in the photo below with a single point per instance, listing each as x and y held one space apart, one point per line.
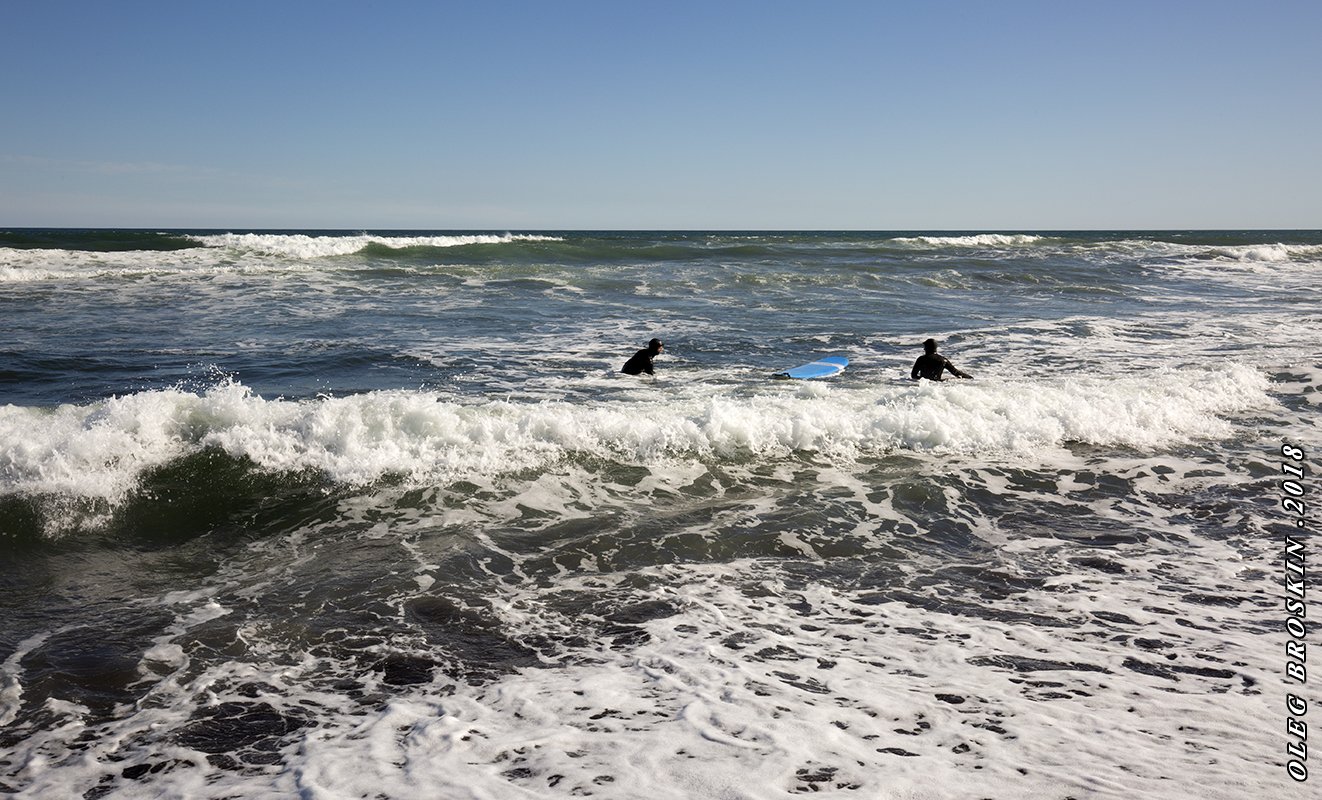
375 515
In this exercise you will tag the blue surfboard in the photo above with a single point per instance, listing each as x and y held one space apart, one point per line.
821 368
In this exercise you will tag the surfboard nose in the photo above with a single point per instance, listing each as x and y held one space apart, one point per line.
821 368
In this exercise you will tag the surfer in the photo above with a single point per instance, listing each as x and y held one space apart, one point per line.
642 360
930 365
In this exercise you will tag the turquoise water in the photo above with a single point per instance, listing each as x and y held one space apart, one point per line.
375 514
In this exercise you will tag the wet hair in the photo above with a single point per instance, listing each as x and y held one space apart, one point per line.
655 344
929 346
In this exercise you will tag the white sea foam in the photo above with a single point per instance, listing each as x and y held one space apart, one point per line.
1250 256
974 240
1247 256
245 253
304 246
739 698
1266 252
771 694
1273 253
102 450
30 266
40 265
11 689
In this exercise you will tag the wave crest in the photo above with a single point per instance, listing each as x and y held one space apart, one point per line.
307 246
101 451
973 240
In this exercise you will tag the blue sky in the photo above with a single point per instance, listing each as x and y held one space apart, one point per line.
597 115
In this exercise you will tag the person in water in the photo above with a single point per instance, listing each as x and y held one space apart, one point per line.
642 360
930 364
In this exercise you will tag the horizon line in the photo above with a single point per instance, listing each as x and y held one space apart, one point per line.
510 229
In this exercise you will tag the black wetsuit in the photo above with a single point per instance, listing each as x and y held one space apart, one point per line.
931 365
640 363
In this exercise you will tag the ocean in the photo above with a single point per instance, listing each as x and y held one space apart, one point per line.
327 514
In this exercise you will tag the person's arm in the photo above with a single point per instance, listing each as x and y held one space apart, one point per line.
913 373
647 367
955 371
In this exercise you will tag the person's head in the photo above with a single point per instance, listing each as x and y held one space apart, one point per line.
929 346
655 345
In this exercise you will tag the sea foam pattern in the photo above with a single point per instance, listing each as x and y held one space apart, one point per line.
100 450
348 514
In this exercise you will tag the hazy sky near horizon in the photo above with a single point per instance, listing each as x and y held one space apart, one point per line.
691 115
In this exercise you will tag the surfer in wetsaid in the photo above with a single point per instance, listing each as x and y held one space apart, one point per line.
641 361
931 365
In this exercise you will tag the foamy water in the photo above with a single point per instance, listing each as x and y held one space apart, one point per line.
101 450
375 515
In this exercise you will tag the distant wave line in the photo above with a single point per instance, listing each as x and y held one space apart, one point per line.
307 246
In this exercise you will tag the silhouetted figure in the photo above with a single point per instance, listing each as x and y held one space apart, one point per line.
642 360
930 365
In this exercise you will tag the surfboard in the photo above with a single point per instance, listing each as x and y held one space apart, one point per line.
821 368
